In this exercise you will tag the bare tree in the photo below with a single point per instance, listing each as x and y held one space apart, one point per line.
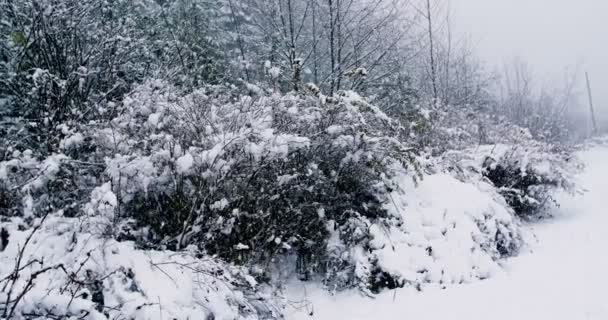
327 40
429 18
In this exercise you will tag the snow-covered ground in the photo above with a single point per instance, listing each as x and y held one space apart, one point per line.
563 275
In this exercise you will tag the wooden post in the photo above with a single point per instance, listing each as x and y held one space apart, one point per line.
591 103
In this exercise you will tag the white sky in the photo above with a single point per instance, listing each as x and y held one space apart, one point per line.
549 34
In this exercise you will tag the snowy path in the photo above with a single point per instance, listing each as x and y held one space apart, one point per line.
565 277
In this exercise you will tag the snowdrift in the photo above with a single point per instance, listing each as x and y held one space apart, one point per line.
88 277
452 232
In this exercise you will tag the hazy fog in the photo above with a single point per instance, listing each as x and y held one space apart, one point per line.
550 34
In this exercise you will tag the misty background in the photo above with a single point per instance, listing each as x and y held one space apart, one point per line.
552 36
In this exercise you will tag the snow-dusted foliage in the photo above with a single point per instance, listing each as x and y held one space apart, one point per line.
456 128
324 184
526 171
31 187
55 271
452 232
250 178
447 232
526 175
161 159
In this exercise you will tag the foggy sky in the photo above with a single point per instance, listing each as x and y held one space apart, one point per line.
549 34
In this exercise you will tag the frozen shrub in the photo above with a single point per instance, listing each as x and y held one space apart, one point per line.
457 128
525 171
527 175
528 178
251 178
53 271
31 187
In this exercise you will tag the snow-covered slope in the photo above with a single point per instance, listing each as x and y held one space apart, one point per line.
562 277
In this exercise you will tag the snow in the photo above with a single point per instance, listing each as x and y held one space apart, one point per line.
72 141
254 89
334 130
274 72
48 169
286 178
313 88
449 234
154 119
103 201
361 72
185 163
221 204
426 113
241 246
146 285
100 210
561 276
141 170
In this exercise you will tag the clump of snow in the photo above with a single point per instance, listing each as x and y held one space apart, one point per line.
154 119
274 72
47 169
286 178
140 172
101 209
426 113
335 130
185 163
72 142
313 88
220 204
526 175
241 246
361 72
254 89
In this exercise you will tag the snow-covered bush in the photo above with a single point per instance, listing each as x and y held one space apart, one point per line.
526 171
452 232
33 185
319 183
213 176
460 127
526 175
449 232
528 178
54 271
251 178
